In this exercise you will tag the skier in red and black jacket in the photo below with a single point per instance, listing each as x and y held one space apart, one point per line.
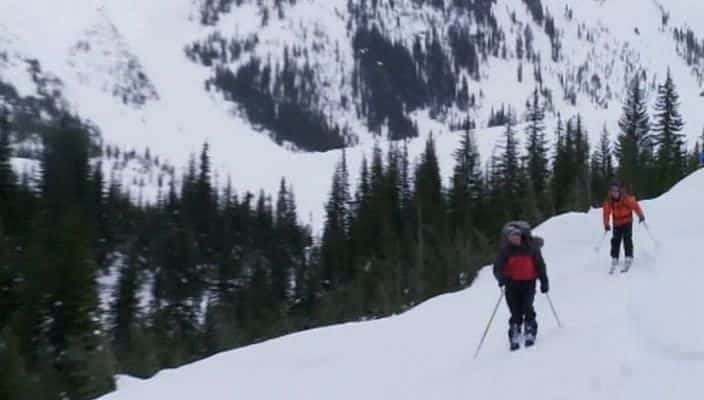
519 264
620 206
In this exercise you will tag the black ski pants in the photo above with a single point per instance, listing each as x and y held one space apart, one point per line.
519 297
622 233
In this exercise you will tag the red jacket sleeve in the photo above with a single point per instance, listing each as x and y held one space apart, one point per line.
607 213
636 207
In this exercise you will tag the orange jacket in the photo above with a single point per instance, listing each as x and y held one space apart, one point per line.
622 210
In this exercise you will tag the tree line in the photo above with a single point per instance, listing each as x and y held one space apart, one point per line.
400 235
93 284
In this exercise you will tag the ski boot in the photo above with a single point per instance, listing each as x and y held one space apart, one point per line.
614 264
531 331
514 336
627 264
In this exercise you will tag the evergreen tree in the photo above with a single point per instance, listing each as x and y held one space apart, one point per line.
602 169
9 274
177 289
405 179
696 159
671 152
335 233
65 167
8 179
529 200
98 214
360 227
465 191
188 199
15 382
346 197
537 164
564 180
432 268
392 192
7 176
125 307
134 351
63 258
204 206
377 186
64 264
648 187
495 196
582 183
510 171
222 329
288 238
633 139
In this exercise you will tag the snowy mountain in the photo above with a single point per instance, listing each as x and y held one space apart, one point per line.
261 81
628 336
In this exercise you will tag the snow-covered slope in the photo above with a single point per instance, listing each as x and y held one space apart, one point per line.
122 64
634 336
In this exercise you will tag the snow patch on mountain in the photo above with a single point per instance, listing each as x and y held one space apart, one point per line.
101 60
123 65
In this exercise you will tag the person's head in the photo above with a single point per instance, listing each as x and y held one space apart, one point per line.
615 191
514 236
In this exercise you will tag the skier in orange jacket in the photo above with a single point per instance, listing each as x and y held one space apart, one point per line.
621 207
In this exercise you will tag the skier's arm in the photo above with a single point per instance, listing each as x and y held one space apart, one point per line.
542 272
636 207
500 264
542 268
607 214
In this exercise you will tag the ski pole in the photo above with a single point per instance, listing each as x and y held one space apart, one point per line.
552 307
601 242
647 229
488 325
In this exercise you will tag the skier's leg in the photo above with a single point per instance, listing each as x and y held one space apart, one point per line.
628 239
528 299
513 300
628 246
531 325
616 242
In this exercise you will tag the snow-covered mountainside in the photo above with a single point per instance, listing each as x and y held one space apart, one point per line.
633 336
260 80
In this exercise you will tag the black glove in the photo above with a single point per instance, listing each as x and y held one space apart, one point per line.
642 219
502 282
544 286
607 228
